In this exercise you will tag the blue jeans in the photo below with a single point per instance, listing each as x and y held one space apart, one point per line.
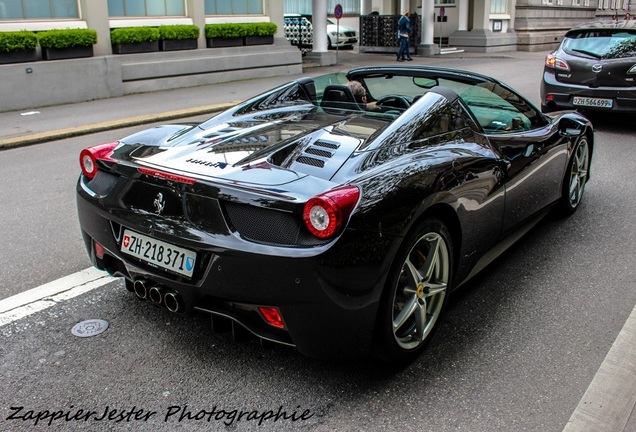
404 49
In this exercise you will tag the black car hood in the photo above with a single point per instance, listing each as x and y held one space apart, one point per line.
238 151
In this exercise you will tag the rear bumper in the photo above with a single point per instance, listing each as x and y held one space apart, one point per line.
328 302
559 96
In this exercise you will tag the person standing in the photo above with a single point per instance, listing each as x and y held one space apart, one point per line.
404 34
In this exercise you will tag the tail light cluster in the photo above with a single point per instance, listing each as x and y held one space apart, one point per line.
89 156
326 214
554 62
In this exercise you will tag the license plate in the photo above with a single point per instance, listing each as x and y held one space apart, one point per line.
159 253
593 102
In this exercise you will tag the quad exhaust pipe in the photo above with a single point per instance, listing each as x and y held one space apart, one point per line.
159 295
156 295
141 287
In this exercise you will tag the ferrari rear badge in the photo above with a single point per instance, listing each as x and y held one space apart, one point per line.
159 203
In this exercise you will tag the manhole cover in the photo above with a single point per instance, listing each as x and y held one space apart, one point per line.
89 328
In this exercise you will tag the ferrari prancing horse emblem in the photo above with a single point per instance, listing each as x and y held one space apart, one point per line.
159 203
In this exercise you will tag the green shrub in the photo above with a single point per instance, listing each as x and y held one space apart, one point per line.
225 31
261 29
67 38
133 35
178 32
239 30
18 41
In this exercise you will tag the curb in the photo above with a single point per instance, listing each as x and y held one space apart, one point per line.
38 138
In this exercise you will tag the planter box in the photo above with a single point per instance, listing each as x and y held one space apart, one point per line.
259 40
224 42
132 48
181 44
18 56
67 53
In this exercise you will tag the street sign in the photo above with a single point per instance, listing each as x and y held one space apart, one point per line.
338 11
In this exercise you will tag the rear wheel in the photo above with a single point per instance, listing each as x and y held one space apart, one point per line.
416 293
576 177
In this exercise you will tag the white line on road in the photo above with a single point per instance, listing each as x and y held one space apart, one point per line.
609 404
47 295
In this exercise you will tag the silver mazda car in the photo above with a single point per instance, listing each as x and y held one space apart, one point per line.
594 68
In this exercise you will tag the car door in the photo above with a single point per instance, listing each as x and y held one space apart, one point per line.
534 152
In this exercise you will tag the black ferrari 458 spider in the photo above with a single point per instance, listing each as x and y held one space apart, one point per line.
328 217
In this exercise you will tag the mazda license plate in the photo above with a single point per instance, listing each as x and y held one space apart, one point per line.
159 253
593 102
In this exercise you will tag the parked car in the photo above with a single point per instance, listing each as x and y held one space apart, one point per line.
324 223
299 31
594 68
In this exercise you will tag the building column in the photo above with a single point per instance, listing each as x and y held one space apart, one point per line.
463 7
481 38
95 13
319 50
275 10
196 12
426 46
365 7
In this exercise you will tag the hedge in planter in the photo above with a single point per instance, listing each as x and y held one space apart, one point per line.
178 37
260 33
224 35
127 40
16 47
67 43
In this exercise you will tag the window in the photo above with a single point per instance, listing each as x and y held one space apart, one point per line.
38 9
233 7
145 8
444 2
499 110
349 7
498 7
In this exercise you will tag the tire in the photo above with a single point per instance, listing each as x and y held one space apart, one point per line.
576 177
415 298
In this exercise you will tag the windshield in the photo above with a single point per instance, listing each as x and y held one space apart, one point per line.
601 43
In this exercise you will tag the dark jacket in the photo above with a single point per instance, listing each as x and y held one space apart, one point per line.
404 25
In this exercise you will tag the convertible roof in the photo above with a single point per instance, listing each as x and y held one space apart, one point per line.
420 71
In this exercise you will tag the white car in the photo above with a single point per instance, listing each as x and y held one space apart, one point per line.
299 31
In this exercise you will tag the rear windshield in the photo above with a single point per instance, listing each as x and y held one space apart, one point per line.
601 43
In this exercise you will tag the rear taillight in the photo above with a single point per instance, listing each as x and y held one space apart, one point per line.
272 316
326 214
554 62
89 156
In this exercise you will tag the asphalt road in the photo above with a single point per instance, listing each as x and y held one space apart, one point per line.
517 349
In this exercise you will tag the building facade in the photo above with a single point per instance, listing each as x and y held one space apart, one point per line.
472 25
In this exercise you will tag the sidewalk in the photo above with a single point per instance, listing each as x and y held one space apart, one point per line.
56 122
610 401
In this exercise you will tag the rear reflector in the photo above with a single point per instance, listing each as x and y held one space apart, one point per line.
99 250
272 316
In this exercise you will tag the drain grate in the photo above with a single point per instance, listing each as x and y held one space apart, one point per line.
89 328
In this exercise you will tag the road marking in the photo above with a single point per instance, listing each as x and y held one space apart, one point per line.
47 295
609 404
